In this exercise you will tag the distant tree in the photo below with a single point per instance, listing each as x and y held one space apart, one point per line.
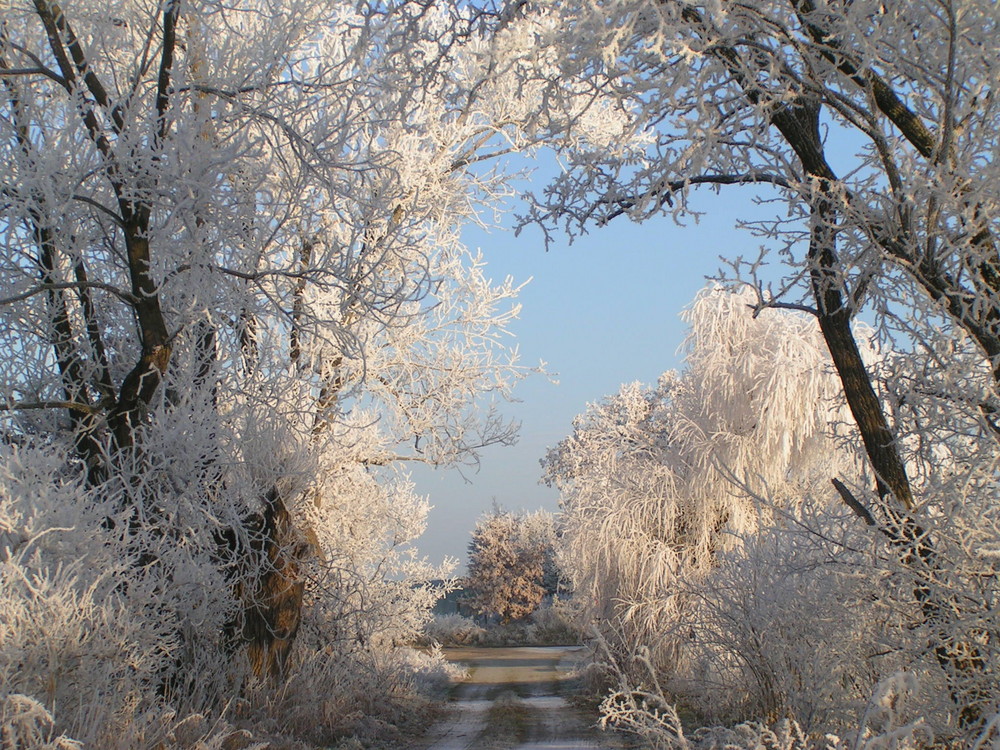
510 564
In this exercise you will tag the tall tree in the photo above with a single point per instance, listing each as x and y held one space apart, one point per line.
656 483
875 126
233 302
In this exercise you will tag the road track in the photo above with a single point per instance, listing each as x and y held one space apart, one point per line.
515 699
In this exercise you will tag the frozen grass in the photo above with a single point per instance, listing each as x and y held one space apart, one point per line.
97 650
886 724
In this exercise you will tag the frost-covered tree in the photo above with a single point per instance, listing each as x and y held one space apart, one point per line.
792 95
511 565
656 483
233 301
713 555
874 127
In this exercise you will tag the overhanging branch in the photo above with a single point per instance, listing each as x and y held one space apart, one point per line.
664 192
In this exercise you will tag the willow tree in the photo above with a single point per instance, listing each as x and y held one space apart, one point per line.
657 483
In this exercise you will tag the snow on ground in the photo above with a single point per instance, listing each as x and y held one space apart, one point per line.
513 699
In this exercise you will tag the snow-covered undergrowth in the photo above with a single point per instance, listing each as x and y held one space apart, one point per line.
117 654
453 630
885 724
554 624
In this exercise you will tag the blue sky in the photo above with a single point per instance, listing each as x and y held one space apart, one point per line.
600 312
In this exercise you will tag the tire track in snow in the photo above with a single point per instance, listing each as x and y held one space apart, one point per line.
512 701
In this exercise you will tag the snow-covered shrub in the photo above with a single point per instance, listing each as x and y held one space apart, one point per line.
114 649
370 693
453 630
196 732
81 632
431 670
801 620
888 722
555 624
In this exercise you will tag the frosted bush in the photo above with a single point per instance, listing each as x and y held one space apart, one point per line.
556 623
375 694
114 655
116 631
196 732
77 628
787 625
431 670
453 630
646 712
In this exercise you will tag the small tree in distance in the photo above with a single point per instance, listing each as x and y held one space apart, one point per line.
509 558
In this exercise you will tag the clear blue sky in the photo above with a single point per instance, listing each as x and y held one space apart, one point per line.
600 312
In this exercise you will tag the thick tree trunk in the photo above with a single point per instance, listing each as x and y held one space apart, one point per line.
265 561
800 127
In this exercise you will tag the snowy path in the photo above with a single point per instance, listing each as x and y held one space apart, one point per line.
512 701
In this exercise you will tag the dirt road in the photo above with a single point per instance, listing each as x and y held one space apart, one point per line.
514 700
